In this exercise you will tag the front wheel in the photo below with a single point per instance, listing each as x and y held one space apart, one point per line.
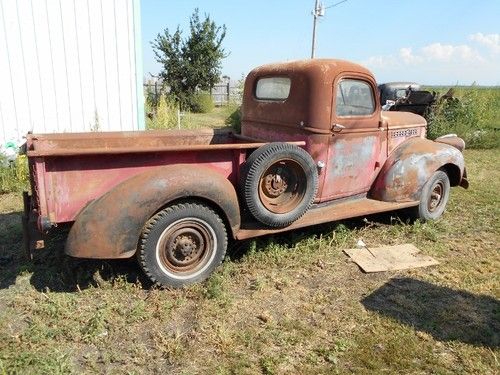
182 244
434 197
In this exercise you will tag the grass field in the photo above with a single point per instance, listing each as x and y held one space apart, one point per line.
289 304
216 118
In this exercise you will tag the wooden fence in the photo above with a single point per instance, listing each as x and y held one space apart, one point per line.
222 94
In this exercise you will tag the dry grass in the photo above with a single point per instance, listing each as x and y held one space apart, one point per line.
215 119
290 304
166 118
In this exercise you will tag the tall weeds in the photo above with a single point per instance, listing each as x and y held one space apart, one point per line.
474 115
161 115
14 177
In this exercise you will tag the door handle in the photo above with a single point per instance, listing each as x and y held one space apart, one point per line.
337 128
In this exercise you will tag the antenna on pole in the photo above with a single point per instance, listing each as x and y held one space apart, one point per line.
315 14
319 11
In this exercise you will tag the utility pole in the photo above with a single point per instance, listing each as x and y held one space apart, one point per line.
319 11
315 18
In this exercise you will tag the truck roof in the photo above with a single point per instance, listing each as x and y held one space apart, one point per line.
323 67
310 97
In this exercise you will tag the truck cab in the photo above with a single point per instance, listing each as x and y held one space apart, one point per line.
332 105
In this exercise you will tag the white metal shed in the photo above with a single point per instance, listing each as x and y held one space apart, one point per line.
70 66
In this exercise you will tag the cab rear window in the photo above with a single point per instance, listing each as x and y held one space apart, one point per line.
273 88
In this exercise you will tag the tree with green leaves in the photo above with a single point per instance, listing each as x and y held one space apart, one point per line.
193 63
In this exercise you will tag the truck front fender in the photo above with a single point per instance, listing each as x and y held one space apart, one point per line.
110 226
411 164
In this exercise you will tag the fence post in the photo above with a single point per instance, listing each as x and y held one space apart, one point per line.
228 92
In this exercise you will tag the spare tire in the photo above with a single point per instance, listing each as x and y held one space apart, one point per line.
279 183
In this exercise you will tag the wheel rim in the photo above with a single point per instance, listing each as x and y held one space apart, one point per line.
282 186
186 248
436 196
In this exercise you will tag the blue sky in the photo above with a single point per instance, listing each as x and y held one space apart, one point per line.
432 42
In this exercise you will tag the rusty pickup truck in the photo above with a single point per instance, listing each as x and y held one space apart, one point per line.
314 147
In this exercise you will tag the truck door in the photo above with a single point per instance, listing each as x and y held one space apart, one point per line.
355 148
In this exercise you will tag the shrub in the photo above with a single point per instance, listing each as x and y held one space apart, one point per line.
234 117
164 116
202 102
14 176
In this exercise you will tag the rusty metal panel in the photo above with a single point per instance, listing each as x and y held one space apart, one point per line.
409 167
353 164
123 142
73 182
401 126
338 210
452 140
110 226
139 142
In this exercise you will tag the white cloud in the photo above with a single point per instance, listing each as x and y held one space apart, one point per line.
447 52
435 52
441 63
408 57
490 41
380 61
405 56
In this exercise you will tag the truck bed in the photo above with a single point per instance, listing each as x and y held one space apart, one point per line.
70 170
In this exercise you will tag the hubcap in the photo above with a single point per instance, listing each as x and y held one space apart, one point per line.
186 247
436 196
282 186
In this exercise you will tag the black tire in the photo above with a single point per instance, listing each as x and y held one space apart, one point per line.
434 197
279 183
182 244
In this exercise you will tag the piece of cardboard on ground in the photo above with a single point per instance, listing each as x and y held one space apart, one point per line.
389 258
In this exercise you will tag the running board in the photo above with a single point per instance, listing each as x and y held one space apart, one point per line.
344 209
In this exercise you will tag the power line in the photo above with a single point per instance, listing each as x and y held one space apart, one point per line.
334 5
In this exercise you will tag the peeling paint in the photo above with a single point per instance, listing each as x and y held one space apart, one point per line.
410 166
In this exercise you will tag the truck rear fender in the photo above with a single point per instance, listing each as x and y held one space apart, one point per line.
110 226
411 164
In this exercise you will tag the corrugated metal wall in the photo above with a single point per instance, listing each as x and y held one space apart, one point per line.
69 66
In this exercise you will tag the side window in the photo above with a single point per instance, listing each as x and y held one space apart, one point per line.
354 98
273 88
400 93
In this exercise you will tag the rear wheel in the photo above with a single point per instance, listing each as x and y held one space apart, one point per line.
434 197
182 244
